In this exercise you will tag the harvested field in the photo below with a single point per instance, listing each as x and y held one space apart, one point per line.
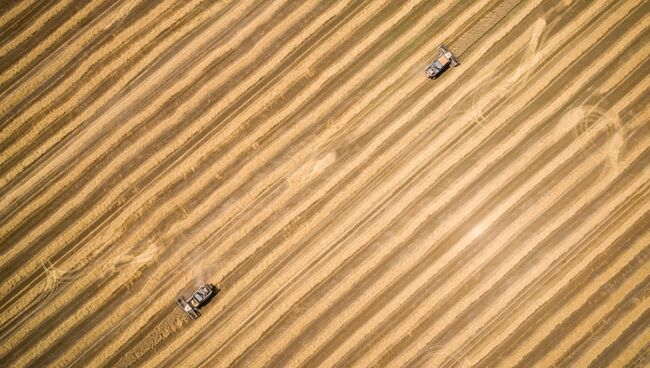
353 212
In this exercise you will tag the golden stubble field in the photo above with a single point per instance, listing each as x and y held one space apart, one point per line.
353 212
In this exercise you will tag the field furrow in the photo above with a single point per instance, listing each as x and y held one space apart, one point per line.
353 212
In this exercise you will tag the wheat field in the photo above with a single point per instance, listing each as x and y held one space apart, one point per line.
353 212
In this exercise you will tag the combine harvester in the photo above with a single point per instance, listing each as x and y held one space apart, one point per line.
468 38
442 63
200 298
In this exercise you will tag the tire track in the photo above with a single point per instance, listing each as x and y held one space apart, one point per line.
48 99
105 172
293 154
23 66
624 281
467 350
387 357
632 313
593 276
129 134
14 20
543 285
332 272
67 113
42 19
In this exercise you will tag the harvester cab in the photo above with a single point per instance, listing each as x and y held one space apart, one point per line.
445 59
200 298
